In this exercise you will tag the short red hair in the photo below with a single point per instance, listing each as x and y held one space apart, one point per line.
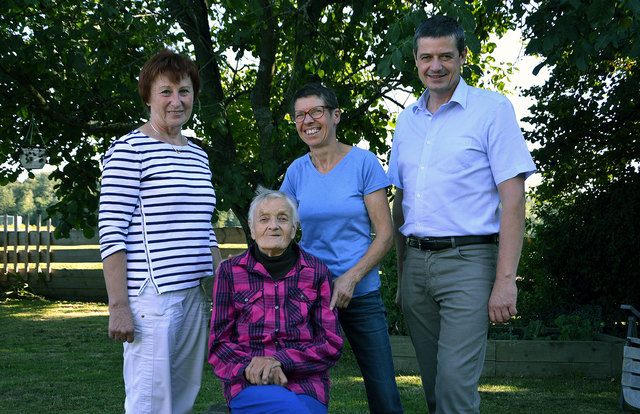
173 66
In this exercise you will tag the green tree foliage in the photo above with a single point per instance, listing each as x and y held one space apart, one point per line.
7 201
584 255
585 122
584 115
73 65
226 219
25 202
31 197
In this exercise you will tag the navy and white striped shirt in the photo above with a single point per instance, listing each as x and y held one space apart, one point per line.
178 201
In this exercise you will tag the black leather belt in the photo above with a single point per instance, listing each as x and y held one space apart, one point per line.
439 243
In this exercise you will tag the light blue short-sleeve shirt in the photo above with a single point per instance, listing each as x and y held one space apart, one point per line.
335 223
449 164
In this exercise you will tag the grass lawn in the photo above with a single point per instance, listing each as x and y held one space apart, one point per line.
55 357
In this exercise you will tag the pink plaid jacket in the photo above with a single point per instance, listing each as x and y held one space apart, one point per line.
288 319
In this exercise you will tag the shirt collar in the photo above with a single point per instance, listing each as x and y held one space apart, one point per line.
459 96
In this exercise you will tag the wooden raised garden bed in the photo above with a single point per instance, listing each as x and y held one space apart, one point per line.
534 358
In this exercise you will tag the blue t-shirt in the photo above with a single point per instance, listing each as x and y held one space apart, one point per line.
335 224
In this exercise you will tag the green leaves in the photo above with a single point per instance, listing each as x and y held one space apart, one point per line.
580 32
599 11
583 115
74 66
398 59
384 66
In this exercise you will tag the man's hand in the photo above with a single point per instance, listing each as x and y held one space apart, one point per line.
121 327
259 369
343 288
502 303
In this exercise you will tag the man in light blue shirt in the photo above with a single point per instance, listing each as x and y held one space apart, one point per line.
459 162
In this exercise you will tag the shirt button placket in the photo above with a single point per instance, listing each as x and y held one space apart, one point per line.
277 313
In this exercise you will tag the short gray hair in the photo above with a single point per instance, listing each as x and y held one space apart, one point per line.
264 194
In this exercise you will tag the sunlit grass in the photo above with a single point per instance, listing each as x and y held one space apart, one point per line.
56 357
48 310
43 247
75 310
500 388
409 380
77 266
56 266
233 246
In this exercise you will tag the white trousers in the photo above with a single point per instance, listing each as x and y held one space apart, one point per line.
163 365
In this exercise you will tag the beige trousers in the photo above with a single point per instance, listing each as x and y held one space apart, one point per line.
163 366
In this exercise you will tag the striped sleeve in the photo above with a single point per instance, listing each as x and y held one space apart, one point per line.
119 194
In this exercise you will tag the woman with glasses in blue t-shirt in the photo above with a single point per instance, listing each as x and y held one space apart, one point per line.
341 192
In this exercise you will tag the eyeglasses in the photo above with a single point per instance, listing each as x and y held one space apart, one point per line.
316 113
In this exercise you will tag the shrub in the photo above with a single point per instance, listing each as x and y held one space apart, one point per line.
16 287
388 288
585 254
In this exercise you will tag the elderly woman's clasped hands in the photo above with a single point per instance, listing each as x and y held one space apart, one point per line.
265 371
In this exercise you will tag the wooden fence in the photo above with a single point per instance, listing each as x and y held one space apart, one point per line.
35 255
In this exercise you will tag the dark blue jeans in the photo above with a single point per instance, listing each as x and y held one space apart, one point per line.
365 324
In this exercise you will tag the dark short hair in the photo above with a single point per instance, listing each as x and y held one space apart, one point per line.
440 26
173 66
327 95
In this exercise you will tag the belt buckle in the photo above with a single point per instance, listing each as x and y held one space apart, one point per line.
414 242
426 241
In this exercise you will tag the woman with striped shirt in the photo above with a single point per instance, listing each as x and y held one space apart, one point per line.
157 243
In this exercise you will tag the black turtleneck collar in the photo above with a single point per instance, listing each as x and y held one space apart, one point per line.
277 266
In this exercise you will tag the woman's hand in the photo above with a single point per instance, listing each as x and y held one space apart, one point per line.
258 372
121 327
343 288
120 317
378 210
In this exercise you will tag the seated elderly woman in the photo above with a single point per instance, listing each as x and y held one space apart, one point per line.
273 336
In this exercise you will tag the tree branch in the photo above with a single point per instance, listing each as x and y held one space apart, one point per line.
261 92
41 102
192 15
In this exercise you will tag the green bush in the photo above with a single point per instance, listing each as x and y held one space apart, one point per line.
572 327
388 288
16 287
578 326
584 255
